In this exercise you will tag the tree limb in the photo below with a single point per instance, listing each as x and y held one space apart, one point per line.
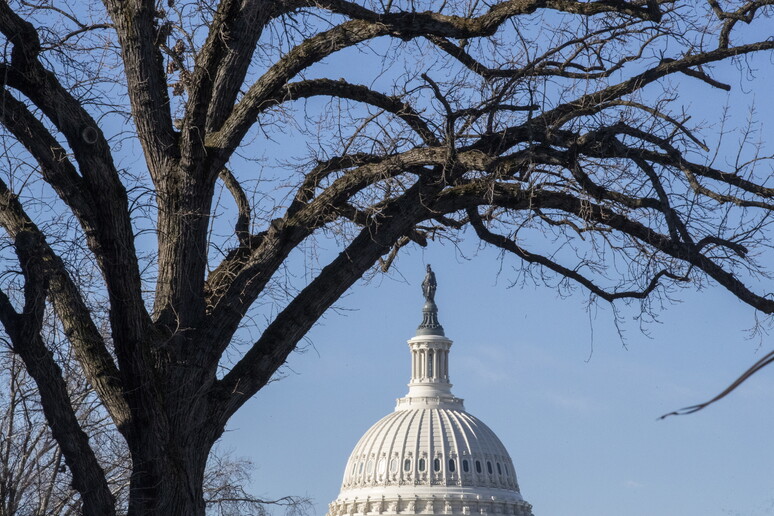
109 233
767 359
509 245
24 329
255 369
69 305
147 87
513 197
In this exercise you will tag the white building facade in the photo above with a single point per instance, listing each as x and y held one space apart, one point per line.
429 456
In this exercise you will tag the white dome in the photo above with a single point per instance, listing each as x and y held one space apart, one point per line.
431 446
429 456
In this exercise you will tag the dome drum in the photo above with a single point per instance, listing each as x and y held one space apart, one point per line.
429 365
433 400
440 470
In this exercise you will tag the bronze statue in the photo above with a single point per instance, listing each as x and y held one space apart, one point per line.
429 285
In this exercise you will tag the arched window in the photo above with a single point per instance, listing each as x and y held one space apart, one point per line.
430 364
489 467
465 466
393 465
499 471
407 465
478 466
370 468
452 466
354 467
362 464
507 472
436 464
421 464
382 466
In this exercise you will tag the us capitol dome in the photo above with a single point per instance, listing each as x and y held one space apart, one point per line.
429 456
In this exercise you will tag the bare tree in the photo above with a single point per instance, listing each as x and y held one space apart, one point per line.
554 129
34 480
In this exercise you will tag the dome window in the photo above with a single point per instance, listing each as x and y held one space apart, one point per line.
407 465
382 466
393 465
436 464
370 468
452 466
478 466
499 470
465 466
430 364
421 464
489 466
507 472
362 464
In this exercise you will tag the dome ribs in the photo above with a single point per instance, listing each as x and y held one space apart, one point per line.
452 452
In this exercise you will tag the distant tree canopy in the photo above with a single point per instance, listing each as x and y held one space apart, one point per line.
239 133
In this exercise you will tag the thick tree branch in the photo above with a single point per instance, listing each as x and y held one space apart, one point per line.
513 197
237 28
24 330
745 13
592 103
368 25
218 74
255 369
147 87
677 228
269 85
485 25
360 93
511 246
244 214
109 231
71 309
55 166
235 284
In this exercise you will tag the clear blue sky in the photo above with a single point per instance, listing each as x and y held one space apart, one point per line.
576 409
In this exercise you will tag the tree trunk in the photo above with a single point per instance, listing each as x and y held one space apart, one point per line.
168 475
170 438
